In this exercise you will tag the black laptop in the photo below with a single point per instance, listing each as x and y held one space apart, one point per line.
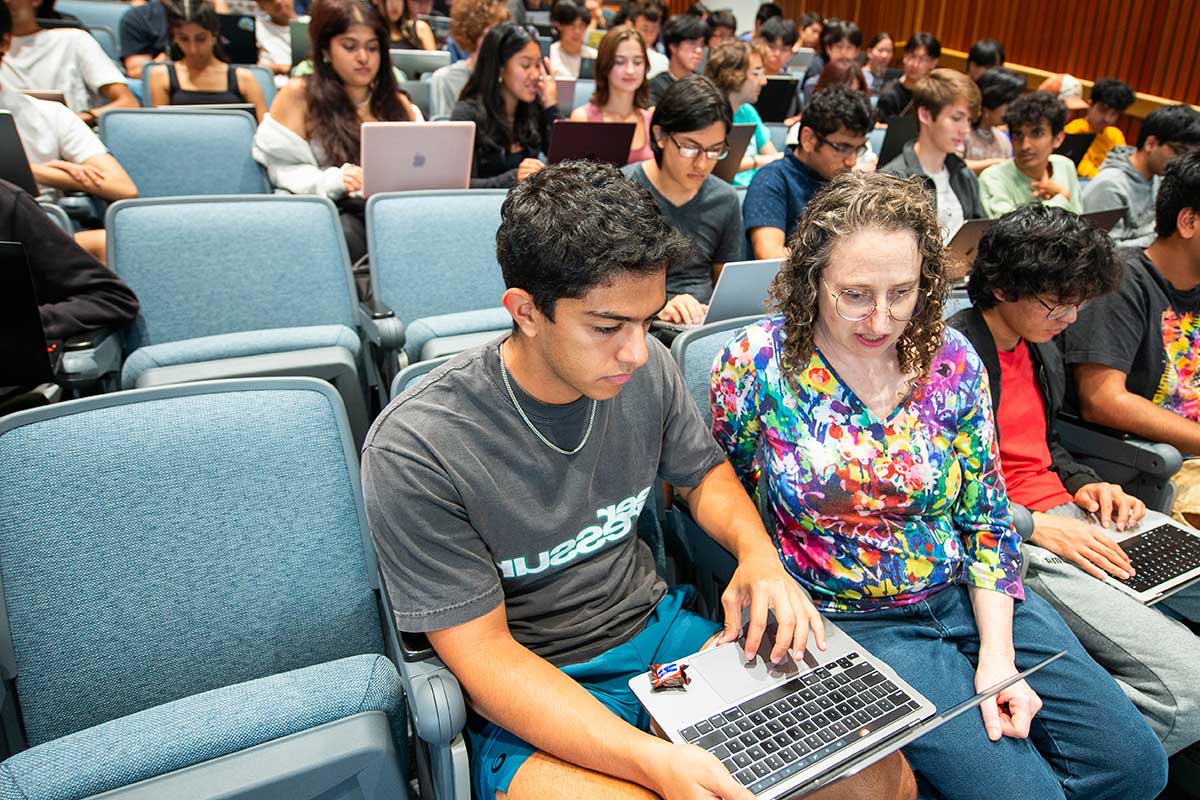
1075 146
14 165
238 39
26 358
900 131
778 99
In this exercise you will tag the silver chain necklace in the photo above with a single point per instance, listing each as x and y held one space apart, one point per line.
513 396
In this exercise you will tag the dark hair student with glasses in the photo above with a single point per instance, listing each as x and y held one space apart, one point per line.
833 134
688 134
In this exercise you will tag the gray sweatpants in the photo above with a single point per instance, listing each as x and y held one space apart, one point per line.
1154 658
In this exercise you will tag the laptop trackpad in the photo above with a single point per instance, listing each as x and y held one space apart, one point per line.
726 671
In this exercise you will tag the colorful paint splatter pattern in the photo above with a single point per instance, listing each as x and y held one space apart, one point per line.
1177 390
870 513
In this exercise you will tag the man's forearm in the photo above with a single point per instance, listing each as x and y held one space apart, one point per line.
1136 415
722 508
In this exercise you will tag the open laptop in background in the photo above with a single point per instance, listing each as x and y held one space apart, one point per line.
26 358
566 96
606 142
408 156
741 291
301 44
14 164
801 58
1075 146
781 730
237 38
1106 219
777 98
739 139
414 63
900 131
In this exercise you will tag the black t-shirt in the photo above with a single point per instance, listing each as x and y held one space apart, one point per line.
144 30
1147 329
894 98
76 293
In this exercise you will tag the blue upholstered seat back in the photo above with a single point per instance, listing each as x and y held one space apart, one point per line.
170 152
207 266
695 351
435 252
152 550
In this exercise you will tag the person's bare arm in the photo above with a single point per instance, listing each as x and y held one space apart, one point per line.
252 92
579 115
135 63
289 109
118 95
425 36
979 165
116 184
768 243
160 88
525 694
1104 400
100 175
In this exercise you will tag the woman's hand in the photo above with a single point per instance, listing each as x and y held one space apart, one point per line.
683 309
1010 712
527 167
352 178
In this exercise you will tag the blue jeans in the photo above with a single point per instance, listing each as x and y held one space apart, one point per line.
670 633
1088 741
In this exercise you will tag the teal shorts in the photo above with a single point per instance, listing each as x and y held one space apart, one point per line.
671 632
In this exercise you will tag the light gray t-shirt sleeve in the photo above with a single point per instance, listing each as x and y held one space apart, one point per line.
437 581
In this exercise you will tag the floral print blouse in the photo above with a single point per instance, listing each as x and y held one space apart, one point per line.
870 513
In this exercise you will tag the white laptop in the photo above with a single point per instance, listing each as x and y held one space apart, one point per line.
741 291
407 156
784 730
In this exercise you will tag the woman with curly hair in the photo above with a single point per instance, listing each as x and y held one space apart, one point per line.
873 426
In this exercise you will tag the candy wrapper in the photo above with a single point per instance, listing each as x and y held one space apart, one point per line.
669 676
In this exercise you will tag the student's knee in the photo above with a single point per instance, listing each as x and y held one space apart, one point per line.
1139 769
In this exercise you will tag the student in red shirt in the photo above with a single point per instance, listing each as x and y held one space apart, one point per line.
1035 267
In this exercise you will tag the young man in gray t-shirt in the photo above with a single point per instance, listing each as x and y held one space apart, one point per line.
503 493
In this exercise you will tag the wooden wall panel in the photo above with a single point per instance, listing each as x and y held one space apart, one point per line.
1154 45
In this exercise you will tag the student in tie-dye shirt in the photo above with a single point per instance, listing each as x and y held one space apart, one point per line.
872 428
1136 353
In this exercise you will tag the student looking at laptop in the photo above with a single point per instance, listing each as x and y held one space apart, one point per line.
513 101
946 102
144 36
201 76
584 415
683 36
921 54
985 54
1035 174
722 27
470 20
76 293
310 141
833 134
883 482
986 144
66 59
1035 268
688 134
841 41
568 53
1127 177
1136 352
736 68
622 91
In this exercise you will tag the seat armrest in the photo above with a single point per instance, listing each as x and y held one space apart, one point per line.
380 325
1084 440
89 357
1022 521
435 698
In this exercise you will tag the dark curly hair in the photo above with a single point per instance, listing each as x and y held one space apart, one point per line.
1032 108
853 202
1114 93
1180 189
1037 249
999 86
559 237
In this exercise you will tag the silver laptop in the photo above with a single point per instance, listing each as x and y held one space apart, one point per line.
741 291
800 60
1165 556
414 63
566 96
738 139
1107 219
783 730
407 156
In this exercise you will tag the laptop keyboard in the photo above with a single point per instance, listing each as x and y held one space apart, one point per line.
771 737
1160 554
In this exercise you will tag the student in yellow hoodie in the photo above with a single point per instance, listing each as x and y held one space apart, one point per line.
1109 98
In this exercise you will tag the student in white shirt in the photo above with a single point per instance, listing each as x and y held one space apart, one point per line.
567 54
272 26
63 59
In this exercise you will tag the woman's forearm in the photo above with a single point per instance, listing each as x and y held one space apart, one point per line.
993 617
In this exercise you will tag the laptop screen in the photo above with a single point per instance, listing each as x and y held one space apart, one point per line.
24 359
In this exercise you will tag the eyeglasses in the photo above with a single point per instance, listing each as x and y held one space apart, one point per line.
855 305
691 150
1061 310
842 150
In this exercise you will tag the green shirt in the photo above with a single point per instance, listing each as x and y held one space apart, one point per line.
748 115
1003 187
